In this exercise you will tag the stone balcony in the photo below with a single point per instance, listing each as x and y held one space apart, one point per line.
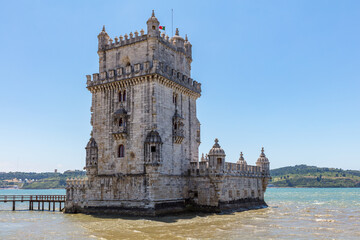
119 132
178 136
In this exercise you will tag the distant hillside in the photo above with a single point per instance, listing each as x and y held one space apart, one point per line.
31 180
311 176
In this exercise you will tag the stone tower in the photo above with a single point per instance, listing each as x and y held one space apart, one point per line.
143 116
142 157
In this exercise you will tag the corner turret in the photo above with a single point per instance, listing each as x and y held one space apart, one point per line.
153 148
91 157
188 46
178 41
217 156
241 160
263 162
103 38
153 26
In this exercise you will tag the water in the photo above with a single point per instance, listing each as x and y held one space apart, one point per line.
293 213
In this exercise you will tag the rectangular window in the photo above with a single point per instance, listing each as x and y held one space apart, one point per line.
153 148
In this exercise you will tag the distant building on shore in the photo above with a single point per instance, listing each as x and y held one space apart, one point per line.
142 157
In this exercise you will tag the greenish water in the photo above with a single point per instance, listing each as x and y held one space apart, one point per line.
293 213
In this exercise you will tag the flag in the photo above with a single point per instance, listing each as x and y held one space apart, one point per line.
162 28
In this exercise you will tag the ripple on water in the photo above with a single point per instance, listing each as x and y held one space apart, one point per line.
293 214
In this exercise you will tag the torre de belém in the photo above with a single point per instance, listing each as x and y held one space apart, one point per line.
142 157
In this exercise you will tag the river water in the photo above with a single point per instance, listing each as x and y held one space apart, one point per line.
293 213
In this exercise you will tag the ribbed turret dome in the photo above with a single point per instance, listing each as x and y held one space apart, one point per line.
177 35
103 32
262 157
153 137
92 143
153 19
216 149
241 159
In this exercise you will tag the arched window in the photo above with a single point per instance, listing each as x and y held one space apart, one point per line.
121 151
120 97
121 122
124 96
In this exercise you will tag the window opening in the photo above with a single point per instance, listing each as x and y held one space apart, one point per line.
153 148
121 151
124 96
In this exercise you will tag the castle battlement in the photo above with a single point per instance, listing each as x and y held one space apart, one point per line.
176 43
120 41
143 154
233 169
143 69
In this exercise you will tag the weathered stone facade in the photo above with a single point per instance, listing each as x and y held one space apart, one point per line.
142 157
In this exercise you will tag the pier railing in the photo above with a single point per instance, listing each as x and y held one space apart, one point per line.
31 199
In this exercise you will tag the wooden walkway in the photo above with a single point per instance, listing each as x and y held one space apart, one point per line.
31 199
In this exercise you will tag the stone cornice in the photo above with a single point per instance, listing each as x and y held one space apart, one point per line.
138 80
142 72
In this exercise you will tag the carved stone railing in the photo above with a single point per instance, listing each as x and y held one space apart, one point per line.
76 183
178 136
233 169
119 132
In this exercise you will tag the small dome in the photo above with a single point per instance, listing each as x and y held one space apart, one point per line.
92 143
216 149
241 159
103 32
262 157
153 137
177 36
153 18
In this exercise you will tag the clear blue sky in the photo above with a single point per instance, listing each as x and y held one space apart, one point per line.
278 74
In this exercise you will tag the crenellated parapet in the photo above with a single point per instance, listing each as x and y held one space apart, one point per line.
230 169
143 69
175 43
214 163
120 41
76 183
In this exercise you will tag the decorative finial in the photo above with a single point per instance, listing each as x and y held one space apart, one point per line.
216 140
241 158
262 154
177 32
103 28
153 13
186 39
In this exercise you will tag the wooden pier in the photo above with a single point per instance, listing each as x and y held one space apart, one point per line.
40 200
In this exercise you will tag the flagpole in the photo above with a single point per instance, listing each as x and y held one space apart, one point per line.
172 22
